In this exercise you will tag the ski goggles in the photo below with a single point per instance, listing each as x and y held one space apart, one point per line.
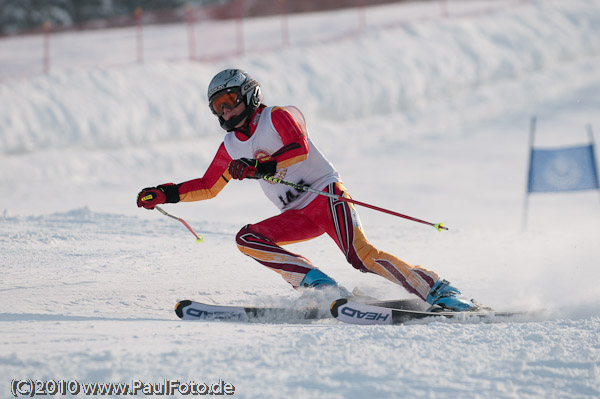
226 99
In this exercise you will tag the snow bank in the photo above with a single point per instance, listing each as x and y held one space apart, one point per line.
405 70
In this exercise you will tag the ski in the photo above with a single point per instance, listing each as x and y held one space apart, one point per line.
353 312
192 310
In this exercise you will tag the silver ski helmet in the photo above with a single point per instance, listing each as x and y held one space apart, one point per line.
229 88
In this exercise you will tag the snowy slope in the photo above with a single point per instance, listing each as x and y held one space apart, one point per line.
429 118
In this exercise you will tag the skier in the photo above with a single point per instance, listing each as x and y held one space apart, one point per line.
273 141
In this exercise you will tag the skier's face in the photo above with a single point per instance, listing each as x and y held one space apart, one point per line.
233 112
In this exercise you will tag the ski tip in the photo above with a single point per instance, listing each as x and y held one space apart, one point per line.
335 305
179 307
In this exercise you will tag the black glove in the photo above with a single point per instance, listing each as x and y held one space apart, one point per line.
245 168
149 197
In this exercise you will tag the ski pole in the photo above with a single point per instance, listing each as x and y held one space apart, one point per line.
199 238
300 187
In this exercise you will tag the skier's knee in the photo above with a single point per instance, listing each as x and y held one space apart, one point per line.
247 236
241 237
357 262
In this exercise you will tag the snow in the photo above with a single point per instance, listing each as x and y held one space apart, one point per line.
429 118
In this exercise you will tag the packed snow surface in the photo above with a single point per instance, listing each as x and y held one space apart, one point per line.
429 117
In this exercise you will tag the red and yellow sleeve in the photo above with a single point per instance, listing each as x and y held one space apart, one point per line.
295 143
213 181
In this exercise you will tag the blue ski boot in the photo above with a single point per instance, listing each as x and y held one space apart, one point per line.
318 280
444 297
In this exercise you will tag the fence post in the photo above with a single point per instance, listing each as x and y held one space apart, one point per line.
240 27
189 14
46 28
362 16
285 26
444 7
140 39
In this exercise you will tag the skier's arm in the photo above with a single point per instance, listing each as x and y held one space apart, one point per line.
206 187
213 181
294 149
295 143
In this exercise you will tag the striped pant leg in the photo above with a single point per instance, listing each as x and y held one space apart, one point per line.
261 242
347 231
